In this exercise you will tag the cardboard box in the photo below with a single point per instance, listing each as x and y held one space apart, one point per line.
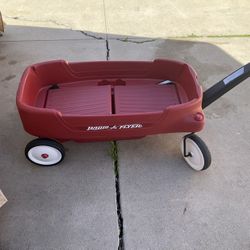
1 23
3 199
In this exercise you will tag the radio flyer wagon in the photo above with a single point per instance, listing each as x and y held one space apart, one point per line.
115 100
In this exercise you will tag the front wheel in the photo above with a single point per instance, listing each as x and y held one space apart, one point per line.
44 152
195 152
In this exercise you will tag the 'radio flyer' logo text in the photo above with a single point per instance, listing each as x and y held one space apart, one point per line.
115 127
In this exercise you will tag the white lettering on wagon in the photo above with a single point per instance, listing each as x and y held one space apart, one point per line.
114 127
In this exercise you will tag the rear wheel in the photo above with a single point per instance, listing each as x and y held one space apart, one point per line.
195 152
44 152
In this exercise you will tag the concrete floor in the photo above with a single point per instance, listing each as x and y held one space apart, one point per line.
69 207
165 205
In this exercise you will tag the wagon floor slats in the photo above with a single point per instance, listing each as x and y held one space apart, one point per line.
85 100
81 100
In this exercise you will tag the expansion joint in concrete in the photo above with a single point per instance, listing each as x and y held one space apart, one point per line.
114 154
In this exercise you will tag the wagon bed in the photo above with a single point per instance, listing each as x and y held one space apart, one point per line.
77 101
137 96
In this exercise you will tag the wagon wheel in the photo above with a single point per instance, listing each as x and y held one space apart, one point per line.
195 152
44 152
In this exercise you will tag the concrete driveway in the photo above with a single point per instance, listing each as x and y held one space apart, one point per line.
148 198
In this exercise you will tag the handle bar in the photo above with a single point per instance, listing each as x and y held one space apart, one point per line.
226 84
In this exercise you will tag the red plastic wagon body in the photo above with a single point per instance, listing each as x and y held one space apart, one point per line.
93 101
104 101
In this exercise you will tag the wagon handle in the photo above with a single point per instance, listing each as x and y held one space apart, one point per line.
226 84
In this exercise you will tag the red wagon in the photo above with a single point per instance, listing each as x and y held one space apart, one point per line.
103 101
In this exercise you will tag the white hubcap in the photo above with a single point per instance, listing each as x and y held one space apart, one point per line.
44 155
196 158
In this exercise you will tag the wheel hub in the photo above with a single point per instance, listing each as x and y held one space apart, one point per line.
44 156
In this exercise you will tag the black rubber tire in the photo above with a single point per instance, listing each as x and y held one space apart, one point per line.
204 150
44 142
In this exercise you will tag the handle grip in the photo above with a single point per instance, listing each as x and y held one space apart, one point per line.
226 84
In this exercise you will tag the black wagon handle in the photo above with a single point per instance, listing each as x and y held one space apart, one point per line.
226 84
